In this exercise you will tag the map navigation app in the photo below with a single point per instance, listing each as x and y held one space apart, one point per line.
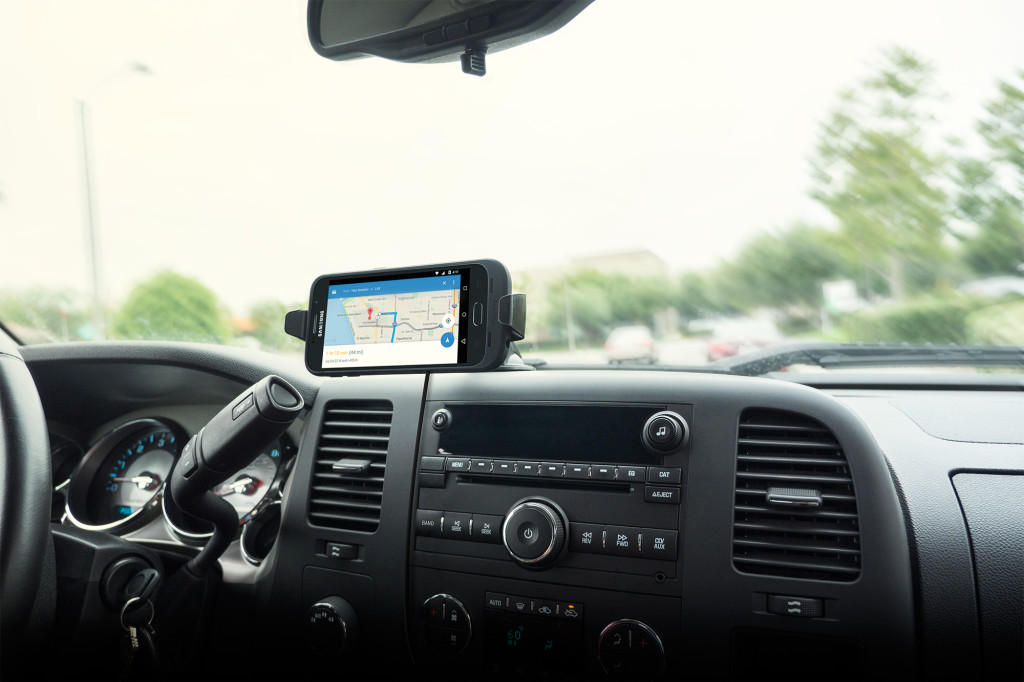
393 322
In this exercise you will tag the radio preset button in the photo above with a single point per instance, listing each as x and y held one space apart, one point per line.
577 471
455 525
602 472
527 468
428 523
481 466
638 474
486 528
622 541
586 537
458 464
504 467
552 469
659 544
654 493
664 476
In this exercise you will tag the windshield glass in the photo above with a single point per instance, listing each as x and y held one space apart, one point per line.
715 177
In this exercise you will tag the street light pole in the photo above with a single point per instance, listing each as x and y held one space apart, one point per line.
99 315
99 321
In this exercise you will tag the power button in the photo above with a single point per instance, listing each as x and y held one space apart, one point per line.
441 419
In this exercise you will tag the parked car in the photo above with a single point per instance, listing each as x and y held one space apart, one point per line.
631 344
731 337
994 287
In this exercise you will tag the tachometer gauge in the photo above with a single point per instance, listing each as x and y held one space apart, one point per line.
120 478
246 491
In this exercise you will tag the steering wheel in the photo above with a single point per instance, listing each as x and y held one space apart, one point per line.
25 490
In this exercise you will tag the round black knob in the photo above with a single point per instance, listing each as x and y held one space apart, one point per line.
665 431
331 625
447 626
630 650
533 532
441 420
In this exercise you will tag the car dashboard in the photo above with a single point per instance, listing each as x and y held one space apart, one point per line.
567 524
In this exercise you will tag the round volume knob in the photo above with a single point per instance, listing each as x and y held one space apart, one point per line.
664 432
331 625
534 532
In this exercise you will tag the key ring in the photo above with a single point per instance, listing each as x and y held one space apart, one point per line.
124 610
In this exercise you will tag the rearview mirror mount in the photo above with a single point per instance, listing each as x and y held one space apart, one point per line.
432 30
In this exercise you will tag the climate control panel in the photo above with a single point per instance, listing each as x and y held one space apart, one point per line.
498 627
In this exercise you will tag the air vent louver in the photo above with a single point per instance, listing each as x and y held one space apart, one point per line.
784 450
348 497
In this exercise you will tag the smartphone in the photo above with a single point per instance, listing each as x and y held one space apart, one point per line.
430 318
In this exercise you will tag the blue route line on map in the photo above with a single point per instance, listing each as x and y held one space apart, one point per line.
394 324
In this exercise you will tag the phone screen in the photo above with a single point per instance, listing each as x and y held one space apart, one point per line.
412 319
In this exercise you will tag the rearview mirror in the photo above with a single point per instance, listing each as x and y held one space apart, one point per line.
432 30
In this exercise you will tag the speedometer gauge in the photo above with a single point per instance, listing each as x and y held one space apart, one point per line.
131 475
121 476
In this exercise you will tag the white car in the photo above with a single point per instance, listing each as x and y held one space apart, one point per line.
631 344
994 287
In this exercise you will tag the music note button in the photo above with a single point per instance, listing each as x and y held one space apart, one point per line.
664 432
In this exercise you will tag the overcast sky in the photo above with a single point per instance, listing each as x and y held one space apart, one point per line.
250 162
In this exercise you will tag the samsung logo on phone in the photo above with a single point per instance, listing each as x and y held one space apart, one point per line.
320 326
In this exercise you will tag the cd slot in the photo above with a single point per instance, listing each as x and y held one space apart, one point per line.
547 483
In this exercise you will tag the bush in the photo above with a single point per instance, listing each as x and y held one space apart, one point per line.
1000 324
922 320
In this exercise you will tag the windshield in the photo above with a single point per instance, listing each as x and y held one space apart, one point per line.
715 177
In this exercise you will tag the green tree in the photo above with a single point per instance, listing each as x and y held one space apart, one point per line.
693 296
787 268
172 307
595 303
992 190
267 318
39 315
873 170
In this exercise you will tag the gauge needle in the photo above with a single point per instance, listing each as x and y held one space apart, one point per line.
245 486
144 482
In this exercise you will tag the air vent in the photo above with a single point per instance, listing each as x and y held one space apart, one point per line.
795 513
348 474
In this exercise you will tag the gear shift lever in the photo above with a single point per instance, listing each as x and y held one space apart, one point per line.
229 442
